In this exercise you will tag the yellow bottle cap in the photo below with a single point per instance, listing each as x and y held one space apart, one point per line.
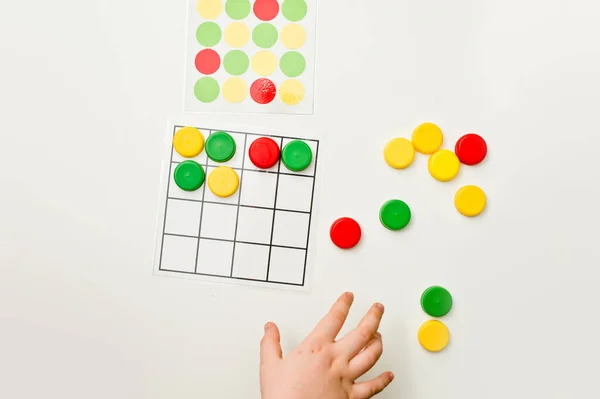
434 336
223 181
444 165
470 200
188 142
427 138
399 153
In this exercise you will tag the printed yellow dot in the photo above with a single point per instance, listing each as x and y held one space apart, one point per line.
237 34
444 165
293 36
209 9
434 336
427 138
291 92
264 63
470 200
399 153
223 181
235 90
188 142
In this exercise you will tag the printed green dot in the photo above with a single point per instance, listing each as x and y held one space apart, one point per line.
436 301
292 64
265 35
206 90
237 9
189 175
294 10
236 62
208 34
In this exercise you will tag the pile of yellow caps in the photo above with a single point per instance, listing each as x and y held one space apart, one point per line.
443 164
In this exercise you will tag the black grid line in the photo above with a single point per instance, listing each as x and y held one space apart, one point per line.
202 210
274 209
237 215
274 213
241 205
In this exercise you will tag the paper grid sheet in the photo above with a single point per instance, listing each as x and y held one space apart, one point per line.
250 56
260 235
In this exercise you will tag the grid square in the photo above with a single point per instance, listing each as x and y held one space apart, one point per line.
178 254
287 265
200 158
310 171
291 229
183 217
218 221
295 193
238 158
251 261
254 225
210 197
176 192
214 257
258 189
248 163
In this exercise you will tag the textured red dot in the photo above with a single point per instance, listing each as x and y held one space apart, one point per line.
345 233
208 62
471 149
263 91
266 10
264 153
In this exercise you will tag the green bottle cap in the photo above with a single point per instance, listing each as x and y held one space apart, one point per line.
436 301
395 215
296 155
189 175
220 147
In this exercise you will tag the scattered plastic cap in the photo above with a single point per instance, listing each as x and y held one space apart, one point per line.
471 149
296 156
444 165
470 200
189 175
427 138
345 233
399 153
436 301
395 214
434 336
220 147
264 153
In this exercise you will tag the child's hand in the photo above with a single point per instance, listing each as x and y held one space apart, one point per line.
322 368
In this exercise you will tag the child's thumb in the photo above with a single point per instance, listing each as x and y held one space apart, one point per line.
270 346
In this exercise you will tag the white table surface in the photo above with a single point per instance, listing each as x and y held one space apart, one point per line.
86 88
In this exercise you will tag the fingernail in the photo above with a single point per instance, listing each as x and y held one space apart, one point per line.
379 306
268 326
349 295
391 375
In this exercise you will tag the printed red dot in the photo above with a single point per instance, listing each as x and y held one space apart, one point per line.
264 153
471 149
345 233
266 10
208 62
263 91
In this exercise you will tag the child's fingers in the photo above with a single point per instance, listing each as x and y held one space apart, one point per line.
330 326
270 346
358 338
366 359
368 389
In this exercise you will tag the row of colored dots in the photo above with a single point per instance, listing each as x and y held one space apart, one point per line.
264 63
264 35
265 10
262 91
